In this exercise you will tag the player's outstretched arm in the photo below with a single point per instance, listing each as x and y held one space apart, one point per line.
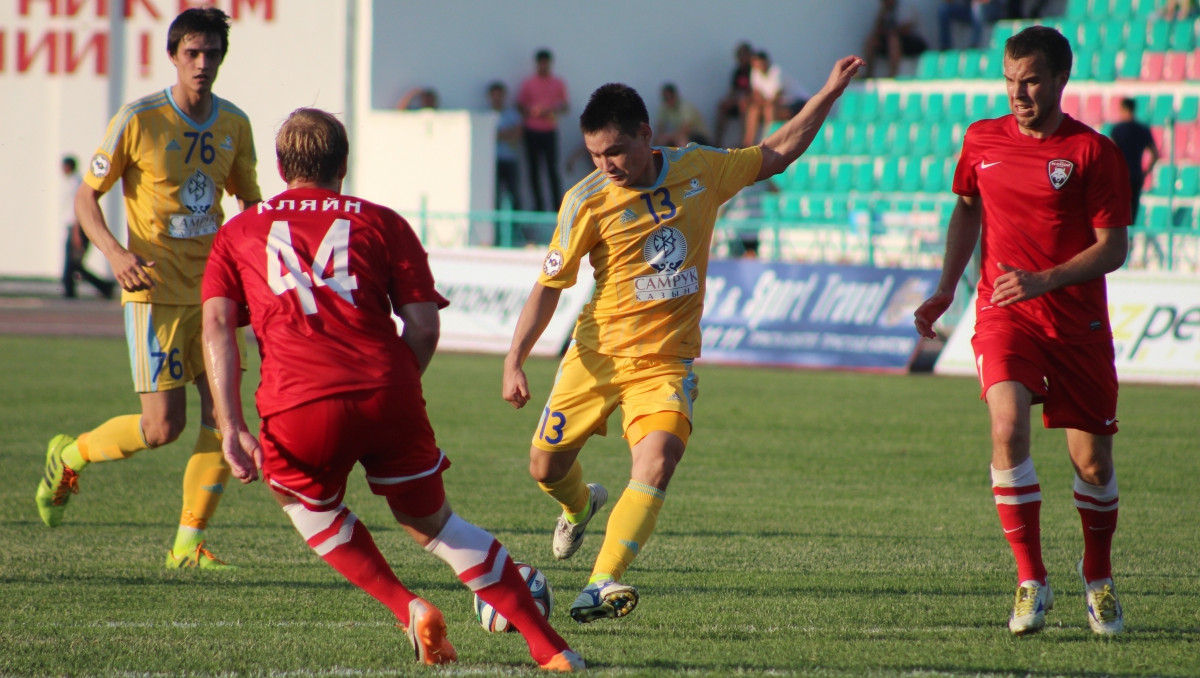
422 330
222 362
535 316
961 236
787 143
128 268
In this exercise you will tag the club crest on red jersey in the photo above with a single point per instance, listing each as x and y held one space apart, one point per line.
1060 171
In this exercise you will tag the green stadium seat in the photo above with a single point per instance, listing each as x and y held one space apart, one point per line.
864 176
856 139
972 64
843 176
1002 31
790 205
889 174
1078 9
890 109
1000 105
850 105
922 139
934 175
927 64
1162 109
911 179
1089 35
1113 32
821 178
795 177
1158 36
1104 66
935 107
1121 9
948 137
1187 180
948 64
914 108
1144 9
877 144
956 107
870 106
900 138
1189 109
1129 63
1163 180
981 106
1081 65
1183 36
835 137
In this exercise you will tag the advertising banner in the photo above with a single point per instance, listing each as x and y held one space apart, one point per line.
488 287
812 315
1156 330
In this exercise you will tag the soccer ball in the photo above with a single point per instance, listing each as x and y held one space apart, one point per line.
494 622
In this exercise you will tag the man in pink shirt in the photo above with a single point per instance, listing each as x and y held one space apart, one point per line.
541 99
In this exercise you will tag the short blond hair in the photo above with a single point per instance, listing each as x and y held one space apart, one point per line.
311 145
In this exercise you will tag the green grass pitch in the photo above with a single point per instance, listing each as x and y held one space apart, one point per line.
821 524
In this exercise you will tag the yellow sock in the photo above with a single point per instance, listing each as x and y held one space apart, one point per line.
629 527
116 439
571 492
203 484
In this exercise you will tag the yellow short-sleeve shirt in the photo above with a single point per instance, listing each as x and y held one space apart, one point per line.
175 172
649 249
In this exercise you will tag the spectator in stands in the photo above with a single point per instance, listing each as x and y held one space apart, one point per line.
1135 140
733 105
541 99
972 12
894 35
418 99
1178 10
77 241
508 135
773 96
679 122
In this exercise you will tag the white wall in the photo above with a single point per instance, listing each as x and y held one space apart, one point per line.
283 54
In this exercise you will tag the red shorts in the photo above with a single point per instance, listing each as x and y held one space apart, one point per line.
1077 383
308 451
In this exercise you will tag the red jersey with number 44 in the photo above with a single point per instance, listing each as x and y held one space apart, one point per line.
1042 201
321 273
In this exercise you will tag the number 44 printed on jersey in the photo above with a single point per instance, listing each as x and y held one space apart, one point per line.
335 247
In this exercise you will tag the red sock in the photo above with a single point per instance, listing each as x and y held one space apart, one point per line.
510 597
1019 504
482 563
1097 506
347 546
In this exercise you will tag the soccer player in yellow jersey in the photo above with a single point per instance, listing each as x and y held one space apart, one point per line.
645 219
177 151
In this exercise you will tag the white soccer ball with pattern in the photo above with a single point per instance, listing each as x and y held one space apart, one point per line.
494 622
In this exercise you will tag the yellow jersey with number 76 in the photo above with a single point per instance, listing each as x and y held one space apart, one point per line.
175 171
649 249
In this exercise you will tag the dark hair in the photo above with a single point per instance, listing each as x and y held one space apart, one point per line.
1129 104
311 144
762 54
69 161
543 54
1043 40
614 104
670 87
495 85
197 21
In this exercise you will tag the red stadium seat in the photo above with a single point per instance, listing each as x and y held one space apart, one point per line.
1175 66
1192 72
1072 105
1152 66
1093 110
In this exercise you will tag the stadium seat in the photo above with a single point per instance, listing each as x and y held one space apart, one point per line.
934 177
843 176
1121 9
922 138
956 107
1078 9
1144 9
1157 217
1129 63
1158 35
1192 71
1162 109
1093 110
1183 36
795 177
890 107
934 108
821 178
947 138
1113 34
1002 31
1152 66
855 138
850 105
1182 140
913 109
1072 105
971 64
1174 66
878 143
1104 66
1000 105
889 174
981 106
927 64
911 177
1187 181
1162 181
864 176
1089 35
1081 65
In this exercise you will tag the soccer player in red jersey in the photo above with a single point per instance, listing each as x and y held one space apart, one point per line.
1050 197
321 274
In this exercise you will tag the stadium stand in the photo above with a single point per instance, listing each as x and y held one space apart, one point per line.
874 188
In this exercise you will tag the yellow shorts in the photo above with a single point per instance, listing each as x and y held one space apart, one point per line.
589 386
166 349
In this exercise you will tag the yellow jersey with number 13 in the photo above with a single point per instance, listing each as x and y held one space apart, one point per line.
649 249
175 171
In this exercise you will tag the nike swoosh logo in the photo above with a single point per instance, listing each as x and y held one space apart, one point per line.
985 165
1015 529
1109 422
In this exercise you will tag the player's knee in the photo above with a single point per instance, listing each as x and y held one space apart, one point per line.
549 467
159 432
1009 434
